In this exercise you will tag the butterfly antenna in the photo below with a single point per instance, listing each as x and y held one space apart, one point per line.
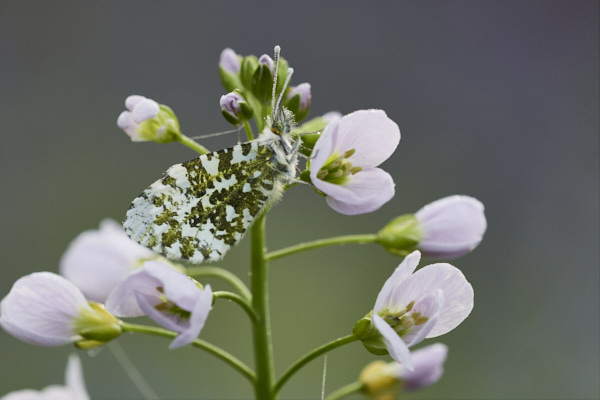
290 71
276 59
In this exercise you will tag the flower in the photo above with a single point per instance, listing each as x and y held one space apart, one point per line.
298 100
267 61
383 381
451 226
96 260
229 61
146 120
413 306
234 107
74 388
170 298
345 158
48 310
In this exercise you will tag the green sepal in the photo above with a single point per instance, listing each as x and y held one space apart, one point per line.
229 81
97 324
402 235
293 105
262 83
248 68
370 337
88 344
305 176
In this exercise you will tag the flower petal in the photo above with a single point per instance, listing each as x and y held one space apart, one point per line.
97 260
400 274
429 367
40 309
373 135
397 348
452 226
458 294
364 192
198 316
144 110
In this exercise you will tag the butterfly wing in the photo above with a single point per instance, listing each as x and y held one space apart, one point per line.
200 208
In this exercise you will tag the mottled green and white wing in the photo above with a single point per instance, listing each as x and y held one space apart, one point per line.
200 208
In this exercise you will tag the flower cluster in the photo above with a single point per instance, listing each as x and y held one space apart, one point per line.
103 267
105 275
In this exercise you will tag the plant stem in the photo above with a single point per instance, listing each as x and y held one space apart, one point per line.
295 367
346 390
238 299
340 240
248 129
199 343
263 351
192 144
223 274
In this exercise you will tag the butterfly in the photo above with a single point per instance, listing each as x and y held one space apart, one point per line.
200 208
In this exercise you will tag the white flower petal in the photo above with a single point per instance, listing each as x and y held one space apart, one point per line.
452 226
364 192
400 274
144 110
373 135
97 260
397 348
429 367
40 309
458 294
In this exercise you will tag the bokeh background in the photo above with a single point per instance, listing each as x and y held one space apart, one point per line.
495 99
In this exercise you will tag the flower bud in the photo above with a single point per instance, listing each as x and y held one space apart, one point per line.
402 235
249 67
298 100
262 80
384 381
234 108
48 310
452 226
146 120
229 69
380 380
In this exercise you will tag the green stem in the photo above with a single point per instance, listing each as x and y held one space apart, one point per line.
238 299
227 276
201 344
192 144
263 351
346 390
295 367
335 241
248 129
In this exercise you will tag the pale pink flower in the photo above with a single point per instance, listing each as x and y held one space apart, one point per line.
170 298
345 159
413 306
97 260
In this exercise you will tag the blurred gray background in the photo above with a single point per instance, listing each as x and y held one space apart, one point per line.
497 100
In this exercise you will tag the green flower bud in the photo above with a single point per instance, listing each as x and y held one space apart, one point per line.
235 108
249 66
297 100
402 235
229 69
380 380
262 80
146 120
